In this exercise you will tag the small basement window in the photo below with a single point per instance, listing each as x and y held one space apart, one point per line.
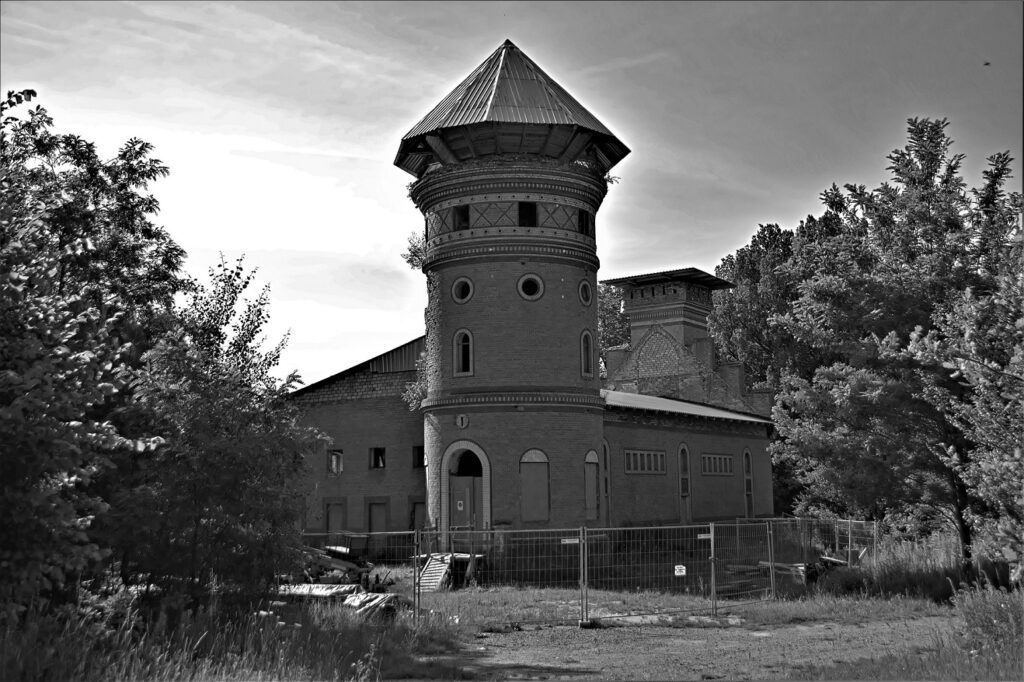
527 214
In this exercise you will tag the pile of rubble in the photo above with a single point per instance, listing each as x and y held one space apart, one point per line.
331 573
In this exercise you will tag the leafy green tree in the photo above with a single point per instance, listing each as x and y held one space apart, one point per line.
63 344
978 340
612 321
862 426
415 251
103 202
220 497
60 362
739 322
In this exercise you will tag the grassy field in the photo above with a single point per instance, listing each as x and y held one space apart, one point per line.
112 637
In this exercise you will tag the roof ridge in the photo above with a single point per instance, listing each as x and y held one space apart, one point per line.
497 76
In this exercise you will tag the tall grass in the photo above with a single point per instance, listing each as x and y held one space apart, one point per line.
295 642
928 568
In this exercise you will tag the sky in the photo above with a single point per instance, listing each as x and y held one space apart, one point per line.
280 122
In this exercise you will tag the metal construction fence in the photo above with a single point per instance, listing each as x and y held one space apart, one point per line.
740 561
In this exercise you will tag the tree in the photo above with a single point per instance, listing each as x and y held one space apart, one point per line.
127 425
612 321
60 362
863 426
220 496
416 251
102 202
737 322
69 226
978 340
825 314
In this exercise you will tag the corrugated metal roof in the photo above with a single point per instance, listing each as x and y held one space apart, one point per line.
684 275
637 401
507 87
399 359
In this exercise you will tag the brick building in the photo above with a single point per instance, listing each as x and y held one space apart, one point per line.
519 429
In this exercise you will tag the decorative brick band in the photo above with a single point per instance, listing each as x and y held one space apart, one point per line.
516 398
551 235
504 177
668 314
462 251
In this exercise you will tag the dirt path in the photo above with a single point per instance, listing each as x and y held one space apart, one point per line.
660 652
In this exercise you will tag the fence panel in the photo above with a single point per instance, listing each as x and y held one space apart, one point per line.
742 561
609 572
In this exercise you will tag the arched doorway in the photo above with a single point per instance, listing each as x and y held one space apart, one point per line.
465 487
465 491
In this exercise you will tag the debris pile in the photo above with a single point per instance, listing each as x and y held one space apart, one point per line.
331 573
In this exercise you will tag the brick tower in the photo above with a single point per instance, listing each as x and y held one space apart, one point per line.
510 172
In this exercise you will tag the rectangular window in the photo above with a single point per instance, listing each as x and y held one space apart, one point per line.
376 458
716 465
419 459
335 462
645 462
585 223
460 218
527 214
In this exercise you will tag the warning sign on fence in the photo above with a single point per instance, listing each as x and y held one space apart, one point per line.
680 570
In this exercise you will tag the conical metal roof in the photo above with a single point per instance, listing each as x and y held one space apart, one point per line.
507 88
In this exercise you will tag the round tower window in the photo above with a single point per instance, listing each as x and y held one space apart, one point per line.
531 287
586 293
462 290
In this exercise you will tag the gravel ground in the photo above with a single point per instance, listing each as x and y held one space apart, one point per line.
688 650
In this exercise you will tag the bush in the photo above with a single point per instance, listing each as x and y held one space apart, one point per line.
993 620
116 641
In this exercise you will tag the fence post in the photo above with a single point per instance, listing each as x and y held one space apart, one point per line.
849 542
714 592
416 577
771 556
874 545
737 555
584 595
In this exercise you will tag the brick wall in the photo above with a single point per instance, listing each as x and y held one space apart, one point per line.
361 411
640 499
564 435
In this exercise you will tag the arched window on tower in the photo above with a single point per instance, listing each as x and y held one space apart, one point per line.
587 354
462 353
535 494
